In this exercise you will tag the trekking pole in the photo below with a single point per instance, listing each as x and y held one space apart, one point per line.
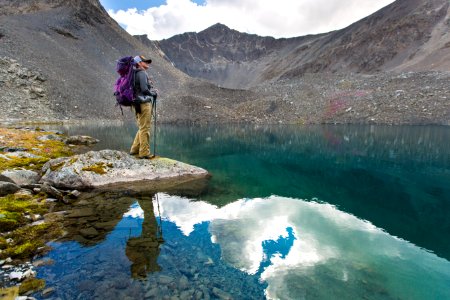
160 232
154 127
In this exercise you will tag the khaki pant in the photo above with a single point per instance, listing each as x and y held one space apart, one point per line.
141 144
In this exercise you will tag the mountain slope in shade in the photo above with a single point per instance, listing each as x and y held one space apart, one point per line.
74 46
408 35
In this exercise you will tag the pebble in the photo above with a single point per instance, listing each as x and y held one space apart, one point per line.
48 291
15 276
221 294
183 283
43 262
152 293
163 279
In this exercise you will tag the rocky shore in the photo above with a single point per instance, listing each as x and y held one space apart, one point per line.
24 93
409 98
383 98
41 179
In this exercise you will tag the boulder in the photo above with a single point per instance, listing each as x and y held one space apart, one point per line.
81 140
5 179
117 170
8 188
51 191
22 177
50 137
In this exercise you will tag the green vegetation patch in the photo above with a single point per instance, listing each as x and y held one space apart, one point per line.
30 163
13 209
31 285
57 166
73 160
27 241
28 139
18 238
98 168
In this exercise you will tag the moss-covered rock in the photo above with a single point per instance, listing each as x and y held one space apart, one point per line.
15 226
30 240
114 169
98 168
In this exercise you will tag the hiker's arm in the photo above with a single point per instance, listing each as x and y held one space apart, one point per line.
143 83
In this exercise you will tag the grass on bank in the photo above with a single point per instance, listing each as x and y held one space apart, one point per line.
19 239
28 139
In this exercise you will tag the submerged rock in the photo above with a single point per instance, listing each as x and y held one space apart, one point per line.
116 170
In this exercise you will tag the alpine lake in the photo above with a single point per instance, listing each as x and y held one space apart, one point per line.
290 212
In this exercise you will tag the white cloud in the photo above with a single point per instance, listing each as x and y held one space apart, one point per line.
282 18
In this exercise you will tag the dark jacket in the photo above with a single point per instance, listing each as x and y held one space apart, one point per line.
141 83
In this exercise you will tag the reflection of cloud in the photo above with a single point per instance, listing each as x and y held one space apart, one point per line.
185 213
135 212
331 247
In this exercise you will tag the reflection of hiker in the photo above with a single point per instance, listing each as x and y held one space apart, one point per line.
144 95
143 251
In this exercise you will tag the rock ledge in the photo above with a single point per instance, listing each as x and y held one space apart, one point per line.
116 170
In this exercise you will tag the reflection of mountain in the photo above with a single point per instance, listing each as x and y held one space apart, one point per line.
331 249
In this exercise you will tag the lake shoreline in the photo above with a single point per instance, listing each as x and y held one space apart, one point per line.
32 210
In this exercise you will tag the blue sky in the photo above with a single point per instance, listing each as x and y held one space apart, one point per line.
161 19
139 4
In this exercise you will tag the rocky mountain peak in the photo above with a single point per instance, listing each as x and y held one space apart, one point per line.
217 28
405 35
89 11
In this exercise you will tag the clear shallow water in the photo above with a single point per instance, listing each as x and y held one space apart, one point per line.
339 212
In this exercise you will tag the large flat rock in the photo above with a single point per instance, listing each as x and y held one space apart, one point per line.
117 170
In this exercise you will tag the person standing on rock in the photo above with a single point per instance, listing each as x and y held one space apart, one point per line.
145 94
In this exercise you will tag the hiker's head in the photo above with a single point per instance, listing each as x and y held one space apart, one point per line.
142 62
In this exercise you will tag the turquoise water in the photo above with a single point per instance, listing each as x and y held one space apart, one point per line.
317 212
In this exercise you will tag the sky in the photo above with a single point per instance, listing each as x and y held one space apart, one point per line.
161 19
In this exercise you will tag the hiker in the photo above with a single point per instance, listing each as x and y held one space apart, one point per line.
143 109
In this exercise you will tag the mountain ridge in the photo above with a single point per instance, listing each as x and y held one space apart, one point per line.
75 45
58 61
370 45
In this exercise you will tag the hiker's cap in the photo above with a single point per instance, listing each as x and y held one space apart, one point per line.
139 58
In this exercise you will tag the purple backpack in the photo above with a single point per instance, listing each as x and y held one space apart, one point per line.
124 86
